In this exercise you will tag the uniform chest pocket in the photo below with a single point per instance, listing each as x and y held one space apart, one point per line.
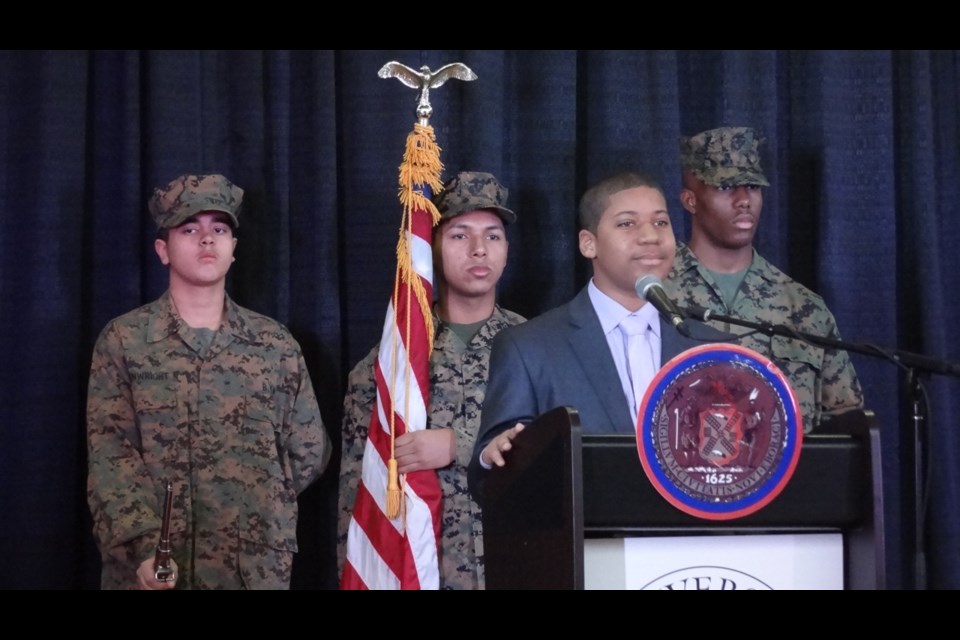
259 440
801 363
160 431
797 352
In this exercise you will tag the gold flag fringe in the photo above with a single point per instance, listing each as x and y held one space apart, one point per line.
421 166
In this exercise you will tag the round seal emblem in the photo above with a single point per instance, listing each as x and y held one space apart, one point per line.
719 431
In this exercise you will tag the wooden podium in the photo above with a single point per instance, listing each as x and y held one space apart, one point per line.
560 487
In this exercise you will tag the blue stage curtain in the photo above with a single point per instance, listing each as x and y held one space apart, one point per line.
862 150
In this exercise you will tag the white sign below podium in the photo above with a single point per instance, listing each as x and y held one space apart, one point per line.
715 562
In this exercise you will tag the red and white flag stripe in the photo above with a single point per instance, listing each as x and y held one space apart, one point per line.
399 553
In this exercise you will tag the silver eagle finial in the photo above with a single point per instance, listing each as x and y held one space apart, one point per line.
426 80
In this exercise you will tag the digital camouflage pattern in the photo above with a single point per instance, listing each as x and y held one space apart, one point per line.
458 383
472 191
724 157
823 379
236 430
188 195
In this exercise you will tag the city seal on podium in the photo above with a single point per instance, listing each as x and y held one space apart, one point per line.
719 431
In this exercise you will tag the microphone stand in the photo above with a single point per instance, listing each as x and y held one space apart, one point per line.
914 364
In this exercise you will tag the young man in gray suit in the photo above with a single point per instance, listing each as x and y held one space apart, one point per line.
582 354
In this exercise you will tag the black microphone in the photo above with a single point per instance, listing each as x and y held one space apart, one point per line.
650 288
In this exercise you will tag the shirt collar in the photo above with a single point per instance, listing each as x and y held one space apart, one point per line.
611 313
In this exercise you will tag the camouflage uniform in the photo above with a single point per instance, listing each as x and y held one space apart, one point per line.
458 382
234 426
824 380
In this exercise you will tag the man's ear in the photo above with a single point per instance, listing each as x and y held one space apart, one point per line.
160 246
588 244
689 201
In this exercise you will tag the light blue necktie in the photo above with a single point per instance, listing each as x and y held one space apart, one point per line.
638 354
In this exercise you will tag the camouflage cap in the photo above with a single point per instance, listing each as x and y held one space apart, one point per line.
724 157
470 191
188 195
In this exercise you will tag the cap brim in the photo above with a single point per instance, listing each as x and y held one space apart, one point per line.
735 179
180 218
505 214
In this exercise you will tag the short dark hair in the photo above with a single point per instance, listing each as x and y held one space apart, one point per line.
597 198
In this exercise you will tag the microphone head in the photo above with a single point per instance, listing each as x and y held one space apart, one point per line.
644 283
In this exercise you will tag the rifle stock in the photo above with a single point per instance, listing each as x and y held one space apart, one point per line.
162 568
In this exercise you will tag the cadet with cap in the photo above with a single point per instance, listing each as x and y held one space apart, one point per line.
470 253
720 269
195 390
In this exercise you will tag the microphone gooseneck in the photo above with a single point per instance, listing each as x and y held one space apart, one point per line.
650 289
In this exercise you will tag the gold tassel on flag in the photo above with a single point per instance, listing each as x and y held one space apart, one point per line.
393 489
421 166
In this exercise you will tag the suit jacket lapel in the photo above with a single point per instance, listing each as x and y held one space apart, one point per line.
599 371
670 344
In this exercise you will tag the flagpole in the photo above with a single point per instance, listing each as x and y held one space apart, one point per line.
393 538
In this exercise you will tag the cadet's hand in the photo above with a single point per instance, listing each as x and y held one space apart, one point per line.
492 454
147 580
426 449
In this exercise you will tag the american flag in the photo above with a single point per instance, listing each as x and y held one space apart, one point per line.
394 533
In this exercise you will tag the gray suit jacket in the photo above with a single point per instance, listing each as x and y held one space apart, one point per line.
562 358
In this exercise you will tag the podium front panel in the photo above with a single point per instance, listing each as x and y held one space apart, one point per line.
827 491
